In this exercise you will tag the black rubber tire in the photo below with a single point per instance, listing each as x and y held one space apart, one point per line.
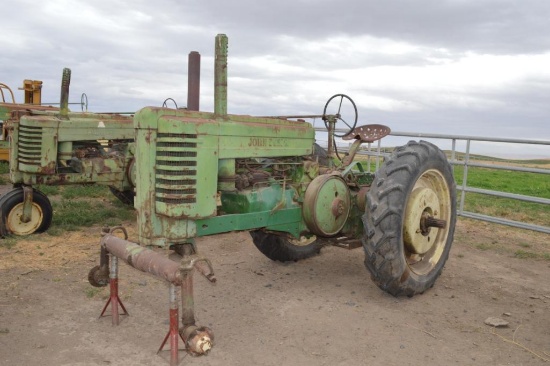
13 198
279 248
126 197
386 253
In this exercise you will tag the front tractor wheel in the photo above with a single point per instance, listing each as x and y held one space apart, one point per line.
282 249
410 219
11 211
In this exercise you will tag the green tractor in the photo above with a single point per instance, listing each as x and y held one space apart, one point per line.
203 173
52 146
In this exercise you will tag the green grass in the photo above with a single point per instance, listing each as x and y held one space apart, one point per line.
4 171
85 206
4 167
90 191
91 292
523 183
530 184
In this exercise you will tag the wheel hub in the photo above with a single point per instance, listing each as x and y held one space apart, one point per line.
421 223
303 241
16 226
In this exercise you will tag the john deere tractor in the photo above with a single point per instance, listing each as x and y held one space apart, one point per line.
204 173
52 146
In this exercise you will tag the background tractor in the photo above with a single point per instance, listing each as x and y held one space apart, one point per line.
52 146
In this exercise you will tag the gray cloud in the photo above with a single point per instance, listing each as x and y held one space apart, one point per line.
451 66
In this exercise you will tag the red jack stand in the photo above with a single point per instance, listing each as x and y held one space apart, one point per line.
173 333
114 299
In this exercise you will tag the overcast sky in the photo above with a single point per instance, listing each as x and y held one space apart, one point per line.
466 67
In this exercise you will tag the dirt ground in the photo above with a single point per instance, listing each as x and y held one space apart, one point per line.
321 311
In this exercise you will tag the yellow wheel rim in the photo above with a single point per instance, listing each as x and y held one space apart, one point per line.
430 196
303 241
18 227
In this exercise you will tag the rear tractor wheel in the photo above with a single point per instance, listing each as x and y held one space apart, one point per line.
11 212
410 219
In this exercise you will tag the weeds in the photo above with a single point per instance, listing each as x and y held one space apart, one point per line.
91 292
521 183
4 167
483 246
81 191
522 254
81 210
8 242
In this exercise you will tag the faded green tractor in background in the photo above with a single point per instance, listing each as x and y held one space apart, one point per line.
52 146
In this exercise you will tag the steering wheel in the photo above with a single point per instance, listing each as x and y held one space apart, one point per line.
344 121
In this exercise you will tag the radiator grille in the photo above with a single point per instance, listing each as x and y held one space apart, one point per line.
175 172
30 145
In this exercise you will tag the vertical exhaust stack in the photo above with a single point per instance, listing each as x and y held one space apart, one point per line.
193 81
220 76
64 100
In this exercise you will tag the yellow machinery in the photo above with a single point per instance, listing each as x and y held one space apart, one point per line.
9 109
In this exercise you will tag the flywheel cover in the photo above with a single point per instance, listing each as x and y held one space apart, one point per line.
327 204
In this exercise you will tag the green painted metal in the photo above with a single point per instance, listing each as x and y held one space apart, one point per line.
286 218
259 199
226 174
178 154
327 203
